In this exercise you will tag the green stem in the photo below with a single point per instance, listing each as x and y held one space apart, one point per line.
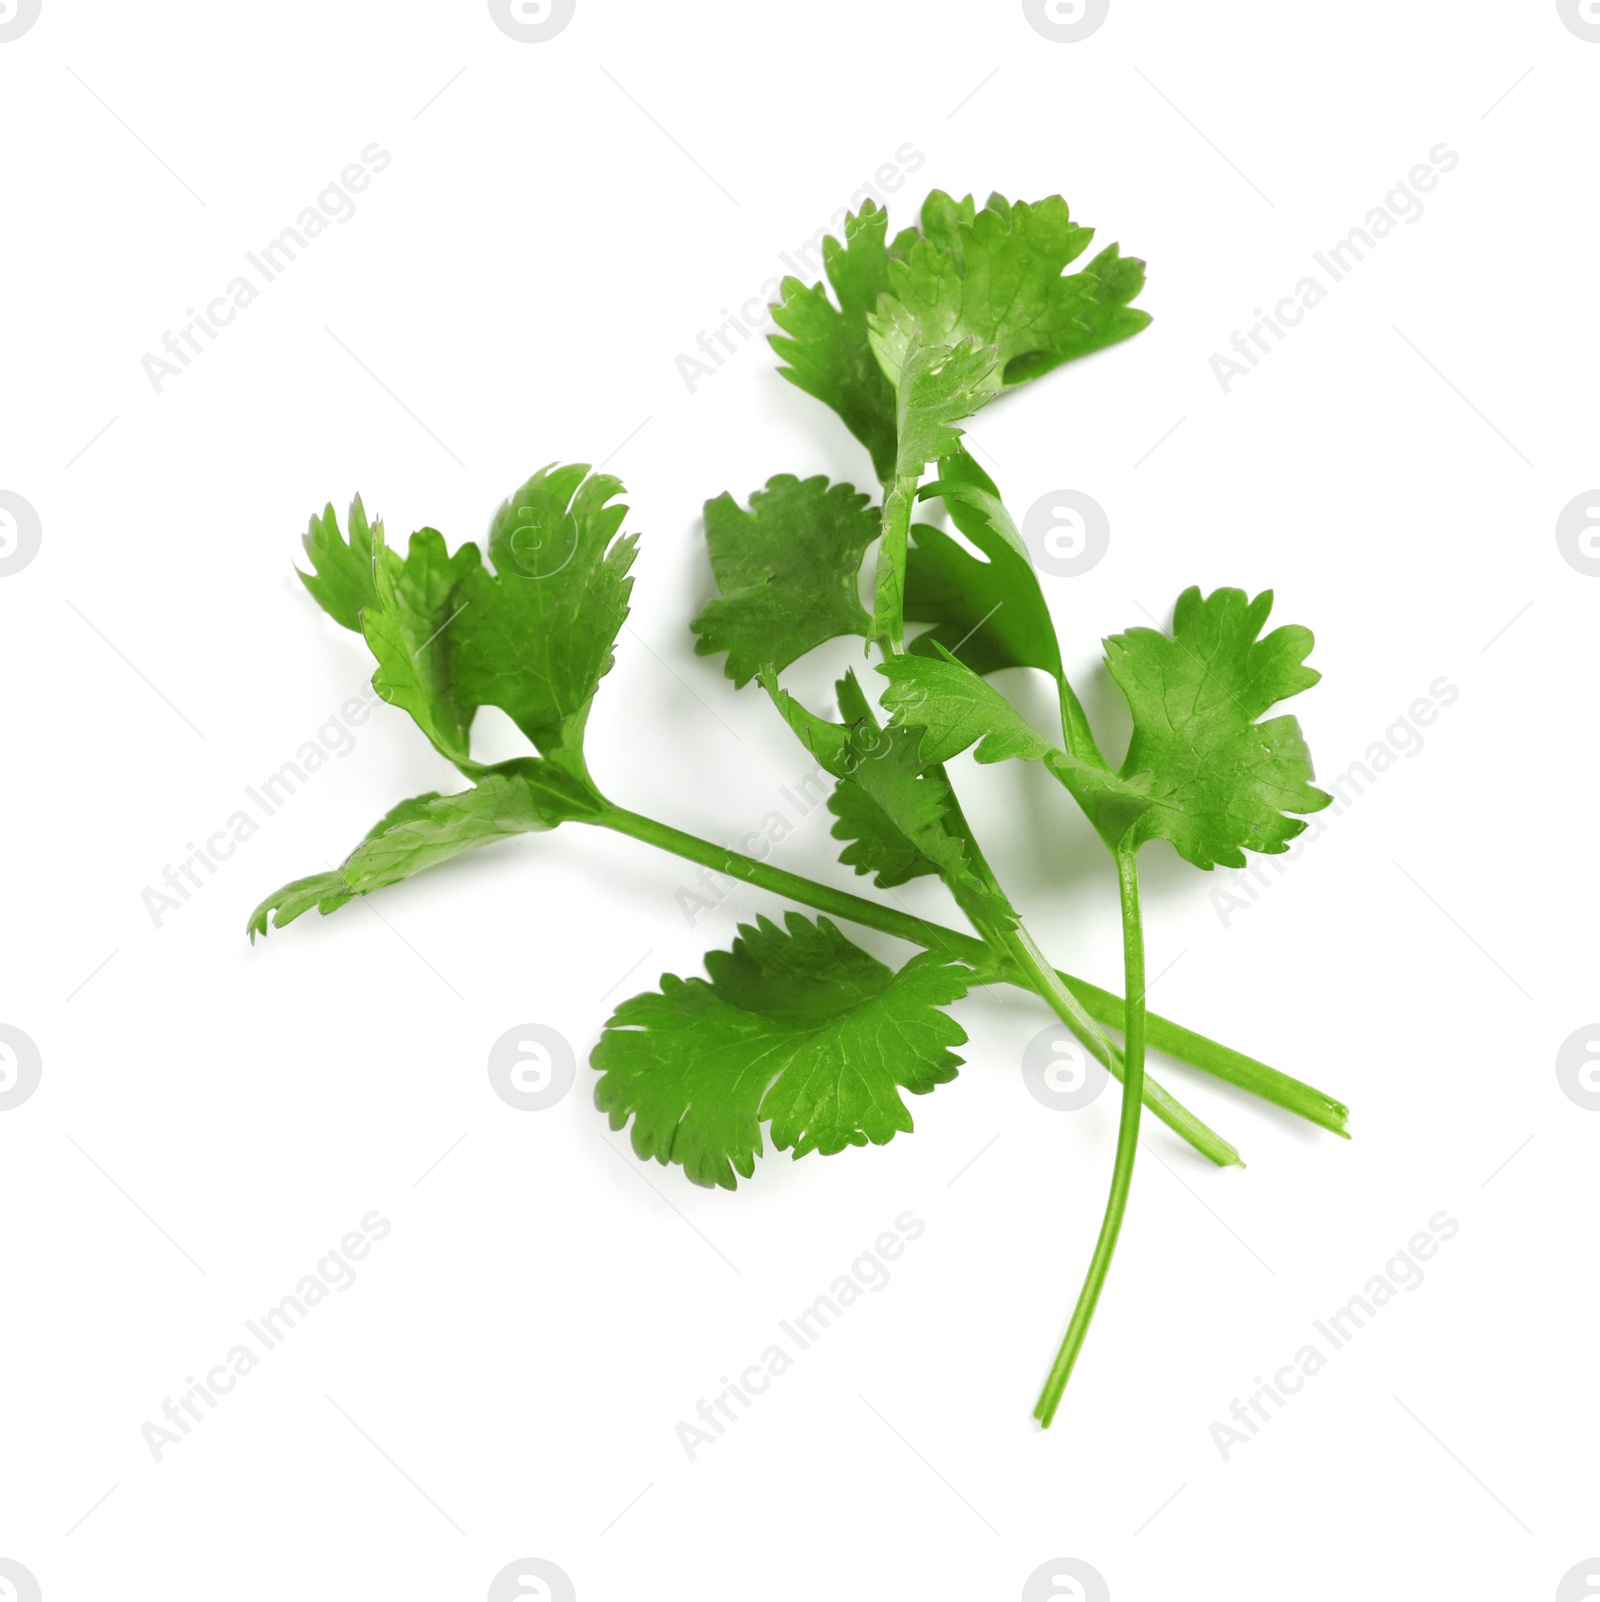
1075 731
824 898
888 605
1058 991
1127 1140
1222 1062
1030 972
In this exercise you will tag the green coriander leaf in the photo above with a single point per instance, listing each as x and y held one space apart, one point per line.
952 708
535 638
874 843
327 892
342 583
936 387
1107 320
999 280
825 345
955 708
943 217
1195 698
787 570
518 797
992 614
796 1026
406 625
885 766
828 742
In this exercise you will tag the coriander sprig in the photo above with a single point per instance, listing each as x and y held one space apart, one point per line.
797 1035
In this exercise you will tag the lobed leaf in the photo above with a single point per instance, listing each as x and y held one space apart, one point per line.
787 570
519 797
936 387
342 581
990 611
1228 781
874 842
796 1026
535 637
415 602
949 708
954 708
919 812
997 276
825 345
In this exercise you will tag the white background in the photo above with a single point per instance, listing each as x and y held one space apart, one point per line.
505 1378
